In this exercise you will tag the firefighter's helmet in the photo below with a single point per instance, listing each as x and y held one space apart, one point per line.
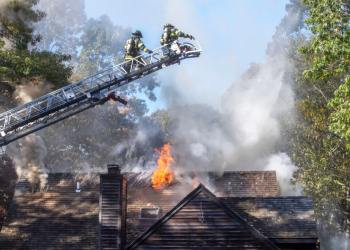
168 25
137 33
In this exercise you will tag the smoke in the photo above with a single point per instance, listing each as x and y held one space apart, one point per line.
28 156
138 151
82 143
3 5
245 132
241 134
59 28
17 14
4 12
282 164
338 242
332 237
30 90
29 153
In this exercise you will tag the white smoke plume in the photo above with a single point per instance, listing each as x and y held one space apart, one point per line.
30 90
241 134
60 27
28 156
244 133
284 168
29 153
341 242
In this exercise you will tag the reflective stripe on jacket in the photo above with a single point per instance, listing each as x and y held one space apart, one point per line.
171 35
138 47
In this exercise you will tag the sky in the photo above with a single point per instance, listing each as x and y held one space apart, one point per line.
233 34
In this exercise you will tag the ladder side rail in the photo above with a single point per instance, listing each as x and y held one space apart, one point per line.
138 62
60 104
61 115
74 86
58 99
121 83
52 100
45 121
82 82
38 126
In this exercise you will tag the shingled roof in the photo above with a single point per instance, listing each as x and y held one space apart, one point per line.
201 221
229 184
142 196
283 219
287 221
245 184
61 218
58 218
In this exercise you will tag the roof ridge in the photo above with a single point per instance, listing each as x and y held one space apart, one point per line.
166 217
256 233
218 172
266 197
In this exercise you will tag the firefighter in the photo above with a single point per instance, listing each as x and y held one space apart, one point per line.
170 35
133 48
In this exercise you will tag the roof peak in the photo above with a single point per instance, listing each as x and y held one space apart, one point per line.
190 197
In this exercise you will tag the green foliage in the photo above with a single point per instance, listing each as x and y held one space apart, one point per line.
92 135
329 53
61 27
340 117
318 139
18 63
17 19
102 43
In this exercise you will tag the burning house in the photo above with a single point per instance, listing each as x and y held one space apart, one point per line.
114 210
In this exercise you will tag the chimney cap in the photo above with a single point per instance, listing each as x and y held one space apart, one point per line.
113 168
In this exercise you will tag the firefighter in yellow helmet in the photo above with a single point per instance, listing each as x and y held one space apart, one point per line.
133 48
170 35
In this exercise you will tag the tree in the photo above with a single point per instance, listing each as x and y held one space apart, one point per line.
21 64
18 63
102 43
16 22
103 128
61 27
318 147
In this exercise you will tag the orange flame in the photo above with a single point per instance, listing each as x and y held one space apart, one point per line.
163 175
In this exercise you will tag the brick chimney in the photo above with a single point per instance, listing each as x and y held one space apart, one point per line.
112 216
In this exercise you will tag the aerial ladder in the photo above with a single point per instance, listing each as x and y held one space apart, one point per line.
87 93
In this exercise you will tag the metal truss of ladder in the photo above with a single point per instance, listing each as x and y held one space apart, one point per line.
87 93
